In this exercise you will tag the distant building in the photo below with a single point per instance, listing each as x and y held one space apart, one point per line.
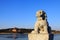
14 30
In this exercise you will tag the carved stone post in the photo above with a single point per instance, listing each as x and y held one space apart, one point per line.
42 30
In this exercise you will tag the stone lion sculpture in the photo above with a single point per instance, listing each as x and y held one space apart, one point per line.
41 25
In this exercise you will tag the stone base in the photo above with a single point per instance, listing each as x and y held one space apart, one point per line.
39 36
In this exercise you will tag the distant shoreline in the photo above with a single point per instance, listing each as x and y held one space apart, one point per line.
21 30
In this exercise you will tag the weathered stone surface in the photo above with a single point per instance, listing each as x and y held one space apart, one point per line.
41 25
39 36
42 30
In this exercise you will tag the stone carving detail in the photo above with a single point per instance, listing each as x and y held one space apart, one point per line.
41 25
42 30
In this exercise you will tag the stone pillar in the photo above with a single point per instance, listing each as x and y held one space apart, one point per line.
39 36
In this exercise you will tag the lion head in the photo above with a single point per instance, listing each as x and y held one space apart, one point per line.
41 15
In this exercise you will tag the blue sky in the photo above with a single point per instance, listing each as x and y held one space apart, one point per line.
21 13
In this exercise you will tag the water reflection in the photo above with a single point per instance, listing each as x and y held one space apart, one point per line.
14 35
18 36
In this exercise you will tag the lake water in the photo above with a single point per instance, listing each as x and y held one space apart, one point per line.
21 37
